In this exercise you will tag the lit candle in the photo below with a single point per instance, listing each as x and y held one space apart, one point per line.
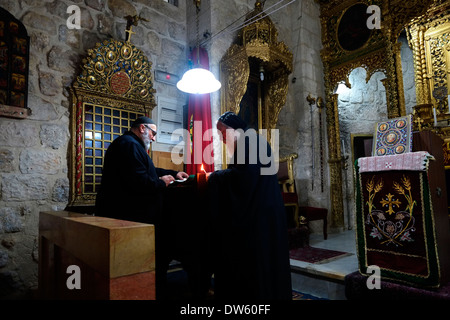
201 178
435 118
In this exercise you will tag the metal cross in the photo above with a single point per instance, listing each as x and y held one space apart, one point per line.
419 122
132 21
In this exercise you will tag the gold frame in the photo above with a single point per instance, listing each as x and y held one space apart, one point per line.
133 91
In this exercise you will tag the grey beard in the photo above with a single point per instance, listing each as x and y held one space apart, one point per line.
147 142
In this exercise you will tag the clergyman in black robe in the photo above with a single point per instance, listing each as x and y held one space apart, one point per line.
132 187
250 239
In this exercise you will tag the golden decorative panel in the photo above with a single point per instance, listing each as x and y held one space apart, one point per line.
258 43
114 87
117 68
429 38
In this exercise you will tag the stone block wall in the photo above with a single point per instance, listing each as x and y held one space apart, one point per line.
34 151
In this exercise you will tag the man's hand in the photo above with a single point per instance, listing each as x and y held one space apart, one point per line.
167 179
182 175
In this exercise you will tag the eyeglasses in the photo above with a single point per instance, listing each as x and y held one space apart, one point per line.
153 131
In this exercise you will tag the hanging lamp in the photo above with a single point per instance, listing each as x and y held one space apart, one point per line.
198 80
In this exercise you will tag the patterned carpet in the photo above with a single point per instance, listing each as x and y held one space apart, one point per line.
315 255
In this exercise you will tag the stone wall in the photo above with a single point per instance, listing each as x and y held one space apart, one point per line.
33 151
299 127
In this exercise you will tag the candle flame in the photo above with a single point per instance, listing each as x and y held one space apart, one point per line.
203 169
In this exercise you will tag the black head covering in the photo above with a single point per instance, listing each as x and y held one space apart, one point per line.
232 120
142 120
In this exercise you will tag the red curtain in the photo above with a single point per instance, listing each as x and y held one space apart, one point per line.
199 123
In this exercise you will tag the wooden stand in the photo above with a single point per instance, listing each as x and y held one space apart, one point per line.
428 141
116 258
420 258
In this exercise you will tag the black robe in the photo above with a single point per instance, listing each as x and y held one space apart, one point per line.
130 186
250 243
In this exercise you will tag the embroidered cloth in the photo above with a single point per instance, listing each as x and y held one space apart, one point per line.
415 161
395 228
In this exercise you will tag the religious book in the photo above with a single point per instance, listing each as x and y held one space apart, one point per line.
393 137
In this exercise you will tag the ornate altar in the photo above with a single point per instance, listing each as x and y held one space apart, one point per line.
352 38
114 87
254 73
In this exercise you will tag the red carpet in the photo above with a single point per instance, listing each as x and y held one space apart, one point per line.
315 255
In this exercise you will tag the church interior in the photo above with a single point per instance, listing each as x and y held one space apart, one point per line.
352 94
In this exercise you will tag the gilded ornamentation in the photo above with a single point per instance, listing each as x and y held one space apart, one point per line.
257 40
276 97
429 38
235 71
378 52
117 68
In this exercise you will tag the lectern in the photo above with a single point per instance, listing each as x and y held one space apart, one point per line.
87 257
401 214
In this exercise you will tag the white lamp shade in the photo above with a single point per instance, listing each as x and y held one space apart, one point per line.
198 81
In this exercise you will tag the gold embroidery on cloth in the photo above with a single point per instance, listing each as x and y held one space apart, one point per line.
388 230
